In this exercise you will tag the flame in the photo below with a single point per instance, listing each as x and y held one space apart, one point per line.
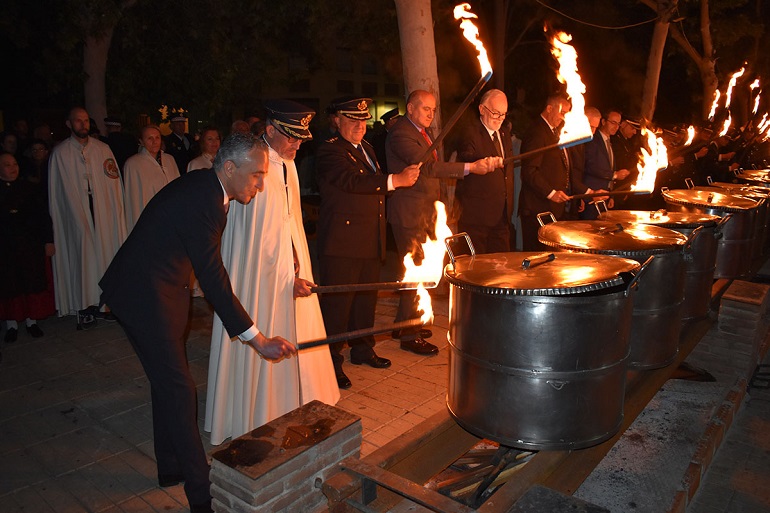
651 162
756 102
762 127
726 126
471 33
576 124
733 81
432 265
714 105
690 135
754 84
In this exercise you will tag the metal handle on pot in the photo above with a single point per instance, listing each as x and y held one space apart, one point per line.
709 180
540 220
599 204
720 225
535 260
657 214
689 183
639 274
664 189
690 240
448 243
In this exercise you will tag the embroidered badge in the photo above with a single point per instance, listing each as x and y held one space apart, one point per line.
111 169
362 105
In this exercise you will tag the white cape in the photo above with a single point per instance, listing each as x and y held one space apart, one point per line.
143 178
84 248
244 391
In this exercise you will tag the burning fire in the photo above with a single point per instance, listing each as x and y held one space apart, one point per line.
651 162
733 81
690 135
762 127
576 125
714 105
755 85
432 265
471 33
726 126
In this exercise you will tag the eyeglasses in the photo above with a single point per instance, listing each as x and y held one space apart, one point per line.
612 122
494 114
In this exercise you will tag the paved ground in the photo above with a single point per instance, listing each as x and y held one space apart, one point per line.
75 427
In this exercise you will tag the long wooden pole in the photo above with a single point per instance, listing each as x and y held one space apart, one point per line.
341 337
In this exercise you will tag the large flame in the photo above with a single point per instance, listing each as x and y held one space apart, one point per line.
432 265
690 135
651 162
763 128
726 126
471 33
576 124
733 81
714 105
755 85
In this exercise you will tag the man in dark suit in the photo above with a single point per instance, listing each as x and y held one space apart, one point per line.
599 171
545 179
411 211
146 286
577 157
378 141
179 144
351 228
485 201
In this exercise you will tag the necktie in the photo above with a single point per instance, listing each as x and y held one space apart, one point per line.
498 146
366 156
428 140
609 154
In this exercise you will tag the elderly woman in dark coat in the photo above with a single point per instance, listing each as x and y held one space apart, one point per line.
25 229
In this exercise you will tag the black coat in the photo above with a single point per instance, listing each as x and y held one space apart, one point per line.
542 173
176 148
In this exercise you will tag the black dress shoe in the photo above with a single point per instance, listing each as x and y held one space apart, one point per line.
373 361
166 480
201 508
342 380
11 335
35 331
424 333
419 346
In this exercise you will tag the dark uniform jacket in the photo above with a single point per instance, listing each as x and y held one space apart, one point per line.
484 198
351 221
175 147
598 169
542 173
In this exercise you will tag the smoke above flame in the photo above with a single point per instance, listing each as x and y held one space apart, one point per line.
651 162
576 124
432 265
471 33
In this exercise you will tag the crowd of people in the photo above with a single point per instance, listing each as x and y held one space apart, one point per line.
130 228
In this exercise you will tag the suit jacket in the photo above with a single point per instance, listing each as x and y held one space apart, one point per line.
598 170
351 221
483 198
146 285
542 173
413 206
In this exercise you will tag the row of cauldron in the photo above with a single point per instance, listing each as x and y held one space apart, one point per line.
540 343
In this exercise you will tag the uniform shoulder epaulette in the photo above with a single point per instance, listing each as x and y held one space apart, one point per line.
333 139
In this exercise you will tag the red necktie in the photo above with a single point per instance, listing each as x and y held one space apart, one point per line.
427 139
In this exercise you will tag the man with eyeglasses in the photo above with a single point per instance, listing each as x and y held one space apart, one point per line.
86 204
265 251
600 164
486 201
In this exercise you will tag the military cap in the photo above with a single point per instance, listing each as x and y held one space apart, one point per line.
111 121
179 118
290 118
353 107
393 113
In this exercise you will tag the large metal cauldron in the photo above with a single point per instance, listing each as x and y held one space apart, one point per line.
702 232
538 352
734 249
657 315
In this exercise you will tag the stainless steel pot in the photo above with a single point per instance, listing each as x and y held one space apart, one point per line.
734 249
657 313
538 346
755 192
702 232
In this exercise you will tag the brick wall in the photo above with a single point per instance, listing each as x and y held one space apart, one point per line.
743 323
280 466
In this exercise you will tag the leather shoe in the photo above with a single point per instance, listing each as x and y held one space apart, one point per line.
35 331
342 380
373 361
424 333
419 346
201 508
11 334
166 480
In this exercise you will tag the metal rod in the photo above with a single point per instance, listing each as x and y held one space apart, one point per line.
610 193
455 117
341 337
358 287
532 153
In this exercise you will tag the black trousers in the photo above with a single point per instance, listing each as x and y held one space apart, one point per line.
489 239
349 311
409 240
177 440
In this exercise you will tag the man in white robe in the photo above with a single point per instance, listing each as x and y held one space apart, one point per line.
86 204
146 173
258 249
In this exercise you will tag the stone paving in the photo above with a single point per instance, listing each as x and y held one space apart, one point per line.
75 422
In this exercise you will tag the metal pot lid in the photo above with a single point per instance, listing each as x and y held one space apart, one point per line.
538 274
723 201
609 238
729 186
747 191
755 175
660 218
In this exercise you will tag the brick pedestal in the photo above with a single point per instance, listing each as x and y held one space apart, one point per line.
280 466
743 321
